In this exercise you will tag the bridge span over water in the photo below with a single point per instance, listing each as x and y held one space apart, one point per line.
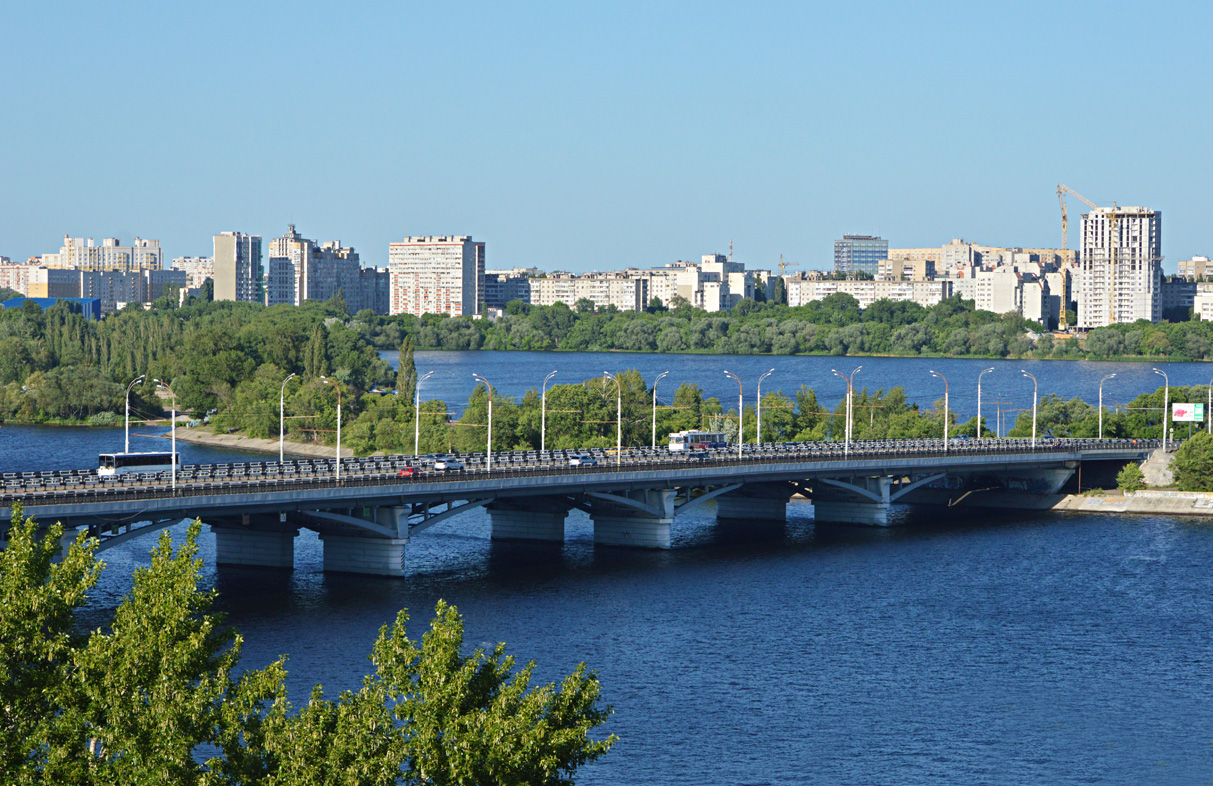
366 518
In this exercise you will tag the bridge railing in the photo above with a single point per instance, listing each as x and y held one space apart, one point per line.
354 478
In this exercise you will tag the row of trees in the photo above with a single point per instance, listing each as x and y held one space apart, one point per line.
586 415
57 365
159 695
834 325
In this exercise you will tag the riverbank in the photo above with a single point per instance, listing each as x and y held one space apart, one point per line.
204 435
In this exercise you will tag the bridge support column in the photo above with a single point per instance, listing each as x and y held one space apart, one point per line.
512 522
256 547
755 501
862 501
370 556
641 519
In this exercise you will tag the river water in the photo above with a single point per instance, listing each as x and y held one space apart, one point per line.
1014 648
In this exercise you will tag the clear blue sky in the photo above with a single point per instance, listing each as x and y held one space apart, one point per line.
593 136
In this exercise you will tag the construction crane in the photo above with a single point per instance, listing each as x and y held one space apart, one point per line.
785 265
1061 197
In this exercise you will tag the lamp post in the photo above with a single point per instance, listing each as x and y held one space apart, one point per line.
136 381
488 461
417 412
846 448
1105 379
543 414
1209 407
1035 390
659 378
282 418
937 375
174 430
334 383
758 437
618 417
979 376
1166 405
740 405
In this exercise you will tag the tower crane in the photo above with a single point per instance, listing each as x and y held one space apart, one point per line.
785 265
1061 197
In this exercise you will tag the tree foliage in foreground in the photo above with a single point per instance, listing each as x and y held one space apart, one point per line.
1193 464
153 700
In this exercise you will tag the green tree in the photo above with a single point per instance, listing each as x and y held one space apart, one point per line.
406 372
1131 478
152 700
1193 464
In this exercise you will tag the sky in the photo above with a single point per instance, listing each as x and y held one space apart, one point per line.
596 136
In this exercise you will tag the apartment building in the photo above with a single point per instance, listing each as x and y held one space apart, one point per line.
78 253
438 274
604 291
804 289
859 254
197 269
300 269
1121 266
237 261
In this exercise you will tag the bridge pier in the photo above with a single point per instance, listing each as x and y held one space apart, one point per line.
638 519
363 554
755 501
862 501
515 522
257 540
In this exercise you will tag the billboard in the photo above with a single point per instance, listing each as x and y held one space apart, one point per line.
1188 413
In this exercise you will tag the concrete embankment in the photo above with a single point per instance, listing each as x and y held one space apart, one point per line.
205 436
1149 501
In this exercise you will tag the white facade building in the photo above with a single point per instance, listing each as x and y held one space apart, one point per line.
78 253
197 269
440 274
300 269
925 293
237 260
1122 269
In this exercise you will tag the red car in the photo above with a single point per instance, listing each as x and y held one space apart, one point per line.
407 472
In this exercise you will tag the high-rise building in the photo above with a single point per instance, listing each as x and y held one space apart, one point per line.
1195 269
1121 266
859 254
78 253
440 274
300 269
237 266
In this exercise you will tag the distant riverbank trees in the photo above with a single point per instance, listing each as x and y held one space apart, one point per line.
834 325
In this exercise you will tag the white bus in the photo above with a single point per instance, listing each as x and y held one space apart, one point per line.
110 464
696 440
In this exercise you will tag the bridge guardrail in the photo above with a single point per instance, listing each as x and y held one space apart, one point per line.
351 478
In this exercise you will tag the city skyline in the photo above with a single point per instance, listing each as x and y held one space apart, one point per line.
558 131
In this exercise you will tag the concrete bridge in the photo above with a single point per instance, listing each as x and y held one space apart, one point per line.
367 518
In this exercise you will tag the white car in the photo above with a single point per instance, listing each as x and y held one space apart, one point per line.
583 461
448 464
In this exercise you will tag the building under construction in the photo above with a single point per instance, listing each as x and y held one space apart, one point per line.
1120 276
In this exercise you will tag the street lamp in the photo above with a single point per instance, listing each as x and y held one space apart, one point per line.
488 462
846 448
543 414
1035 390
417 412
740 405
1209 407
1105 379
618 417
1166 405
174 429
334 383
282 417
136 381
984 371
758 436
937 375
659 378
